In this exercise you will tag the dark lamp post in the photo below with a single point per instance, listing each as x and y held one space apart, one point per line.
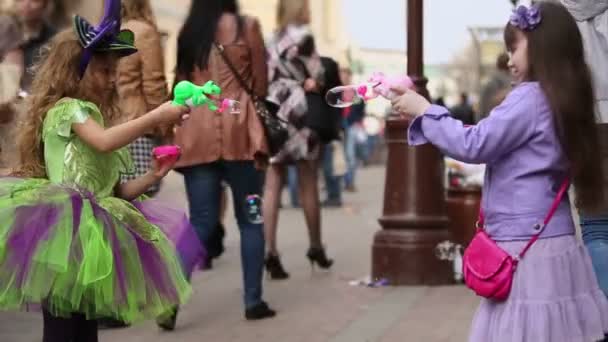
414 217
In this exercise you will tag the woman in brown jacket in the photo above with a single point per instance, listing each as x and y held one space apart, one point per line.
141 81
220 147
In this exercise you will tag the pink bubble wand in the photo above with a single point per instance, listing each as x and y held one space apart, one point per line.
377 85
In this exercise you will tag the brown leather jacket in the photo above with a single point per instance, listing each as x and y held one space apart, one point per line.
208 136
141 81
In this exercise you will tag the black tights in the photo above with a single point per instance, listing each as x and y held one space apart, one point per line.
74 329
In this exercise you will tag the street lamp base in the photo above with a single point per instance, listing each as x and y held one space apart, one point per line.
407 257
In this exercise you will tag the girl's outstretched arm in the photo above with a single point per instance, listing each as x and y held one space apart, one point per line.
134 188
509 126
110 139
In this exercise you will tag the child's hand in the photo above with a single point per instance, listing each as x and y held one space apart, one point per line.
170 114
409 102
162 166
310 84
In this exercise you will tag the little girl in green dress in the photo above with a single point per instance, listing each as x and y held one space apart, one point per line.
73 240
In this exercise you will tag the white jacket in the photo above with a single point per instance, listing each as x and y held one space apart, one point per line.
592 20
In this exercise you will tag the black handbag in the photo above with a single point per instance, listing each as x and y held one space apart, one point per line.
275 129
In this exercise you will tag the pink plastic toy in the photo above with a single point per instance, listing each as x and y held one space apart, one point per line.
377 85
167 151
362 92
231 105
383 84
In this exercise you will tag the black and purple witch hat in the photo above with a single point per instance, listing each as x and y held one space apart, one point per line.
104 37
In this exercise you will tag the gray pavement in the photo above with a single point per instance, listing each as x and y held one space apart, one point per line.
312 306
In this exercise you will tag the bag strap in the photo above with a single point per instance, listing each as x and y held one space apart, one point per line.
241 81
558 198
236 74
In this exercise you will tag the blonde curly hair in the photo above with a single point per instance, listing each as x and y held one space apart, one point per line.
57 77
291 12
138 10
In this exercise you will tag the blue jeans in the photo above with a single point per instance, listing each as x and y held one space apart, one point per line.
332 182
595 235
203 187
370 147
354 152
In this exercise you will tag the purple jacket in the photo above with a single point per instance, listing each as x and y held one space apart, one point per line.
525 162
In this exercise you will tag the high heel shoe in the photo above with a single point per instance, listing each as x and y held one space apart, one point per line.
316 255
275 268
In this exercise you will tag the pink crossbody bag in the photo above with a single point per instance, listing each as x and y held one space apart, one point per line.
488 270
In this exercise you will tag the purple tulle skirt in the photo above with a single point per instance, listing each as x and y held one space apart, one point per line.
176 226
555 298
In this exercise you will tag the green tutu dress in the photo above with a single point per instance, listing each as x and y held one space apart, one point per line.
68 245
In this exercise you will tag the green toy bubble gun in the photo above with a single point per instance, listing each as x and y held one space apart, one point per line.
189 94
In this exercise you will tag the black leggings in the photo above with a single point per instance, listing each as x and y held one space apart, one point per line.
74 329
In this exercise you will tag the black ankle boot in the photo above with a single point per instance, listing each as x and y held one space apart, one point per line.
167 321
259 311
111 323
316 255
275 268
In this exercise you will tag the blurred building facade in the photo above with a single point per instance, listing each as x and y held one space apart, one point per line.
366 61
327 22
468 70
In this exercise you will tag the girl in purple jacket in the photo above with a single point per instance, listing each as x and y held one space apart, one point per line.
541 136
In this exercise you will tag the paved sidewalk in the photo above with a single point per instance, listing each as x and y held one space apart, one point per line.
313 306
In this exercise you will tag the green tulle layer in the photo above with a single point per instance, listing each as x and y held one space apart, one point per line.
70 252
